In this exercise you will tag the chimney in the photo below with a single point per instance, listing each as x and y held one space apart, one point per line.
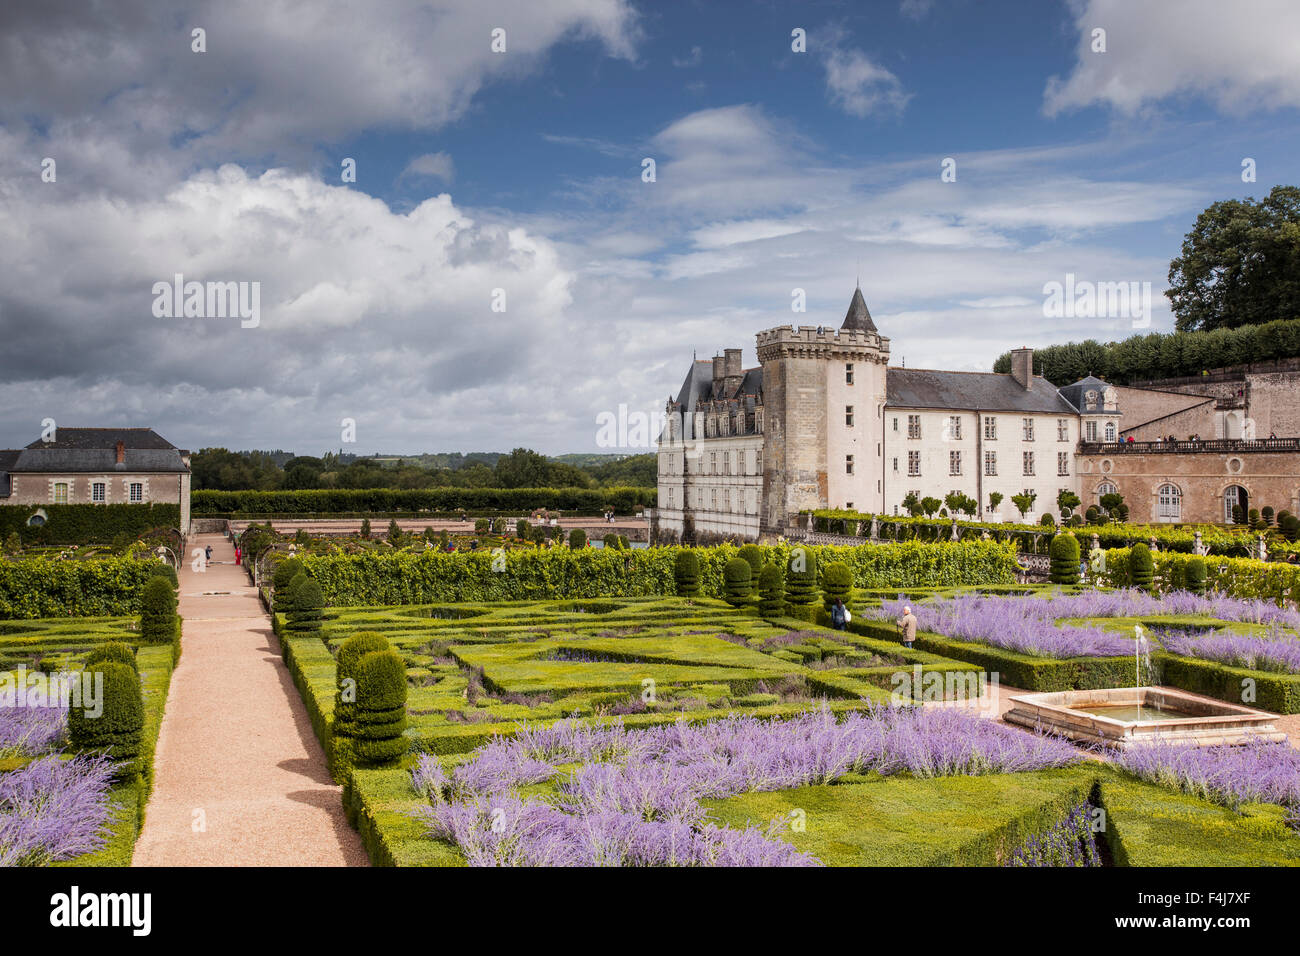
1022 367
719 373
732 371
121 452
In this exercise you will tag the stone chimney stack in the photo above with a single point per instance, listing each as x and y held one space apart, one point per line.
1022 367
121 452
733 373
719 373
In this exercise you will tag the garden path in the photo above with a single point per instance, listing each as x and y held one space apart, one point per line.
240 779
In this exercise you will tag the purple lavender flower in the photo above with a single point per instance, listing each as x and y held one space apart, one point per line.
1276 651
1070 842
1230 775
53 809
31 731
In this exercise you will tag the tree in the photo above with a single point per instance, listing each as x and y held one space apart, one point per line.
522 468
912 504
801 577
158 612
754 555
930 506
365 528
959 503
1240 264
1024 502
1111 501
394 533
1067 501
1141 567
577 539
995 499
1196 573
837 583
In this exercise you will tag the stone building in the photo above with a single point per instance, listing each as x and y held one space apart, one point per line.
97 466
826 422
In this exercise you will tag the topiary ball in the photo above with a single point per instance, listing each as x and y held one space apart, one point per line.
754 555
114 652
1141 567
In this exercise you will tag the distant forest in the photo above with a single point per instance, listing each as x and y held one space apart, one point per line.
223 470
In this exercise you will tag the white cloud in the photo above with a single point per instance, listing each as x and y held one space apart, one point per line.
861 87
1242 56
433 165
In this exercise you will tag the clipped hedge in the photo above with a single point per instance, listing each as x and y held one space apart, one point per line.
371 578
1276 581
86 524
107 587
118 730
738 581
386 500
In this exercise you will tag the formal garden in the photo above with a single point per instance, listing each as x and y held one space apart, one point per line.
525 703
671 707
87 650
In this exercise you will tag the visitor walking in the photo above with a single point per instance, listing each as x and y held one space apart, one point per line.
207 554
238 554
907 627
839 615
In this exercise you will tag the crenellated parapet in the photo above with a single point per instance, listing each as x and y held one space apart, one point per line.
789 341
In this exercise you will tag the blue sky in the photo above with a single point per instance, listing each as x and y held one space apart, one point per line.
521 171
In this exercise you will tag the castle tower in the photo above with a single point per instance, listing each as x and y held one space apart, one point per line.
824 400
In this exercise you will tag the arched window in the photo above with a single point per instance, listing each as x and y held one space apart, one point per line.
1110 431
1169 506
1233 496
1105 488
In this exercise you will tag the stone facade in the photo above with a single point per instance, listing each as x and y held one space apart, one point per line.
1193 482
98 466
825 422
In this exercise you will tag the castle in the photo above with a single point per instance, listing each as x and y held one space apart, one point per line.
826 422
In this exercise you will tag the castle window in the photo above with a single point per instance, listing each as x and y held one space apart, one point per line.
895 466
913 462
848 464
670 497
98 491
137 491
1027 462
990 428
954 463
758 462
1090 430
848 506
60 492
1105 488
1110 431
1062 429
726 462
895 423
913 426
954 428
848 415
848 373
1062 462
1027 429
990 463
713 498
1169 502
713 462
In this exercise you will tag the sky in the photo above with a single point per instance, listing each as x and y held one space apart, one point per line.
504 271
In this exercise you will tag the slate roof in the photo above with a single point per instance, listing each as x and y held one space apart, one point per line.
698 384
858 317
971 391
7 459
93 450
1075 393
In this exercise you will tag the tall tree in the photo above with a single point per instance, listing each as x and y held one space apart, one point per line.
1240 264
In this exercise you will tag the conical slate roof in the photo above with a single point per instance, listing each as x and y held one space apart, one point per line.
858 317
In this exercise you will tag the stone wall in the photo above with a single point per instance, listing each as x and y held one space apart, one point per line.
1269 478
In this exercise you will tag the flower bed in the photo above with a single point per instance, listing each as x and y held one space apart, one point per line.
634 798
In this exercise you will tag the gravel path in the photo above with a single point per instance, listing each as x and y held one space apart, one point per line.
240 777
